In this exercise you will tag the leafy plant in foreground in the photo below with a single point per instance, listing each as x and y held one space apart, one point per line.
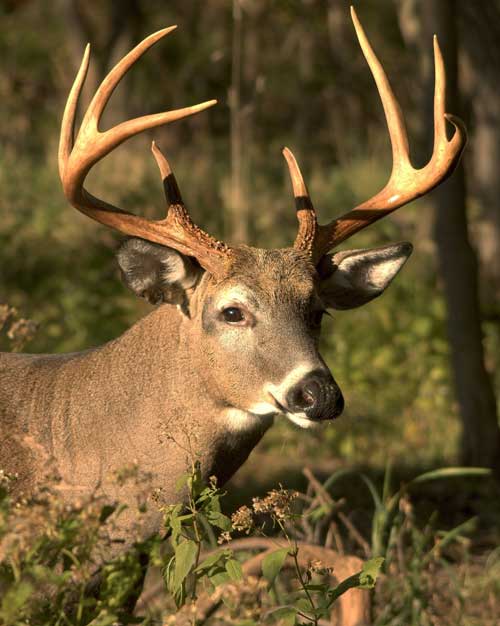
191 574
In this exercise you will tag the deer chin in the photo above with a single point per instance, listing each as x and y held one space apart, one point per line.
276 408
302 420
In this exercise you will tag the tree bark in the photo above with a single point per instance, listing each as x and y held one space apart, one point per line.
238 210
480 440
481 23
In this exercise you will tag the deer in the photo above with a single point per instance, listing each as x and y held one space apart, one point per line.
232 343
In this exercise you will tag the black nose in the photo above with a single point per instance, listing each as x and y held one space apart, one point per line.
317 395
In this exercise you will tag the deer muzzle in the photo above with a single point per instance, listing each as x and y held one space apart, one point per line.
317 395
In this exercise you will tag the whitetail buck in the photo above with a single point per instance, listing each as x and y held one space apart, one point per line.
233 343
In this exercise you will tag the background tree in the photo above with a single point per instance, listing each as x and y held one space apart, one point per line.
480 438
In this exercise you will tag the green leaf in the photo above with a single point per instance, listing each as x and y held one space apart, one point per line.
286 614
365 579
216 518
320 512
182 481
387 481
185 557
373 490
14 601
213 559
233 568
369 573
272 564
219 578
195 482
451 472
168 574
171 518
303 604
446 538
332 479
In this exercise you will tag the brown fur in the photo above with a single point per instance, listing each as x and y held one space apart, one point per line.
165 392
155 395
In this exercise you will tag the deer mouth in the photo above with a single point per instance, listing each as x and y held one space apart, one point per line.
301 419
305 418
278 405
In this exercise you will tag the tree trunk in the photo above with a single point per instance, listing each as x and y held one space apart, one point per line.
480 441
481 23
238 209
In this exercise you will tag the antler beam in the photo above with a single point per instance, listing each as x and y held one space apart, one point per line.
77 157
405 183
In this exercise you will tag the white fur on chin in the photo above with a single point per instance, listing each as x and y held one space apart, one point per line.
301 420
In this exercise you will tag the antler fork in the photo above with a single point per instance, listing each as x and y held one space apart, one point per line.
405 183
77 157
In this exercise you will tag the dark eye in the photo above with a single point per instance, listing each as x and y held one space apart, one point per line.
233 315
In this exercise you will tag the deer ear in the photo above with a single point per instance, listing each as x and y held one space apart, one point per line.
156 273
351 278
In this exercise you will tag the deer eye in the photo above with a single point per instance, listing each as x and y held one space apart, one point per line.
233 315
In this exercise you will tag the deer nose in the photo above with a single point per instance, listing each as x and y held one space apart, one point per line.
317 395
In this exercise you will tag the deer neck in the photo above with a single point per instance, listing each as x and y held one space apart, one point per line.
141 399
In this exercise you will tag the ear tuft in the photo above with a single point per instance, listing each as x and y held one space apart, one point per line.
155 272
354 277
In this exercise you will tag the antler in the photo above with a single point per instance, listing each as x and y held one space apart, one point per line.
405 183
76 158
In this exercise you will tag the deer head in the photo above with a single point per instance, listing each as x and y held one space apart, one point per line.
251 317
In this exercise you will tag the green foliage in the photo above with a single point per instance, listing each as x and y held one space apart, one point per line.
387 504
185 571
416 556
273 563
49 551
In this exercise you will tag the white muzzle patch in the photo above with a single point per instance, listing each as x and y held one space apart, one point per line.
279 393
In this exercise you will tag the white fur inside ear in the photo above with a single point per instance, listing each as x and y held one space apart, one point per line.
157 273
173 267
358 276
374 272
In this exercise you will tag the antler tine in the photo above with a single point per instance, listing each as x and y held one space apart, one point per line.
439 95
68 120
305 210
105 142
457 142
393 115
172 191
109 84
76 157
183 234
405 183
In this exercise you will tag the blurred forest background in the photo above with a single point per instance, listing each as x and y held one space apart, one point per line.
420 367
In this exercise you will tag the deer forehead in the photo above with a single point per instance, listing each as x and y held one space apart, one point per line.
267 277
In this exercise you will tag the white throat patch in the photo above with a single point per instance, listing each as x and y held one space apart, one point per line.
238 420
